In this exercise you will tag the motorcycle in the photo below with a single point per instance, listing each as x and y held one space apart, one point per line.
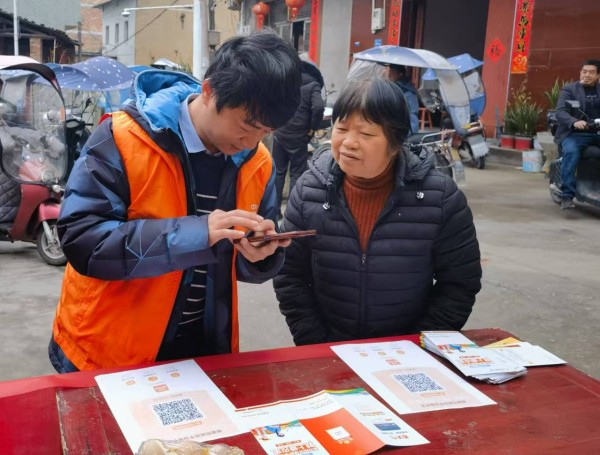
33 158
450 91
588 170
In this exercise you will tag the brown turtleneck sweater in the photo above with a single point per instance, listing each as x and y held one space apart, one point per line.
366 198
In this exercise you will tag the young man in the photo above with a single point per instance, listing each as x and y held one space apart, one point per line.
152 206
571 133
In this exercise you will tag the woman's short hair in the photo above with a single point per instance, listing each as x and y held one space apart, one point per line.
261 73
378 101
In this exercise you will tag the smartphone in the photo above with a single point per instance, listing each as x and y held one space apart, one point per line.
280 236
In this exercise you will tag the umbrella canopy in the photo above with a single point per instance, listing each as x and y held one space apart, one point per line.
71 78
396 55
463 63
96 75
140 68
9 60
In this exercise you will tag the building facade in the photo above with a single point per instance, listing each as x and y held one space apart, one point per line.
56 14
535 41
88 32
37 41
144 36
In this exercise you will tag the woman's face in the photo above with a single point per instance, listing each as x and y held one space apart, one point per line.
360 147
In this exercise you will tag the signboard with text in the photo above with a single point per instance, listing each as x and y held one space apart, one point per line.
394 27
522 35
313 43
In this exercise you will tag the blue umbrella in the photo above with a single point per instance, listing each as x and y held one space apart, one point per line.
72 78
107 72
140 68
97 74
463 63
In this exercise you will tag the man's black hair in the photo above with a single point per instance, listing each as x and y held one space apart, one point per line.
261 73
379 101
592 62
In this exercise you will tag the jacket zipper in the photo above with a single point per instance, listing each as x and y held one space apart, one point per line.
363 262
191 208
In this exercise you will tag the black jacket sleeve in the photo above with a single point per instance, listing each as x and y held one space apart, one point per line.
457 266
317 106
563 111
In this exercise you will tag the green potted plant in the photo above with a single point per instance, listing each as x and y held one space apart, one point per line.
524 114
507 140
552 96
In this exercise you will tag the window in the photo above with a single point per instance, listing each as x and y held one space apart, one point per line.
126 31
116 33
107 35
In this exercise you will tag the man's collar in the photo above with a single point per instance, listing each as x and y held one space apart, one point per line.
192 141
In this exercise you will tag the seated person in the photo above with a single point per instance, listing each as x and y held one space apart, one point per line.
571 132
396 250
397 74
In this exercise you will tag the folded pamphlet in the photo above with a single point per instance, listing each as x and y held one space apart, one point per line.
489 365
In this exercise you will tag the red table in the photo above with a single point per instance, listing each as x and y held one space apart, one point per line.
552 410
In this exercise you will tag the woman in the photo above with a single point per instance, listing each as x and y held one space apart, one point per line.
396 250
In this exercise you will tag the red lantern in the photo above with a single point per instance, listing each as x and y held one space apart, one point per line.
260 10
294 6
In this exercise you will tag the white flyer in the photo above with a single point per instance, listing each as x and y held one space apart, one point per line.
175 401
328 422
409 379
527 354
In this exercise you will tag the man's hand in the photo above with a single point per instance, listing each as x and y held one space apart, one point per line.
580 125
255 252
220 224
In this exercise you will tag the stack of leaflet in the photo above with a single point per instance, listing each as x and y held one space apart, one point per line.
488 365
524 353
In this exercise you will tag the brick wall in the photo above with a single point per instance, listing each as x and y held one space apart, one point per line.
91 29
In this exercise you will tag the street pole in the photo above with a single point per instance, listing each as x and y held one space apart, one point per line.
15 28
200 39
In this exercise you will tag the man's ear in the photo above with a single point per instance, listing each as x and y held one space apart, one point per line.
207 91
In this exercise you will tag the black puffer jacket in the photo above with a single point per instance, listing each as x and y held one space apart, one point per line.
421 270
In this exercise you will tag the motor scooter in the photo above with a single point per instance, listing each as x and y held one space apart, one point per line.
587 174
33 158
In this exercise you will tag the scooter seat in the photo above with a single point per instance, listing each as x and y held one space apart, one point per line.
591 152
418 137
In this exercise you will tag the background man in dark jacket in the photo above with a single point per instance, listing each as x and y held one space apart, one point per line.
290 142
571 132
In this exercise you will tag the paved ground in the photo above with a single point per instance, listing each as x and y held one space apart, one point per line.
540 280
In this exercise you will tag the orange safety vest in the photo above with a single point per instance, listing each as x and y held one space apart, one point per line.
103 324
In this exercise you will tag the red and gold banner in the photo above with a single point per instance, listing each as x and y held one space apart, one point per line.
394 27
313 44
522 35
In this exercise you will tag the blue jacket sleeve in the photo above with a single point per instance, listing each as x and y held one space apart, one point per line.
98 238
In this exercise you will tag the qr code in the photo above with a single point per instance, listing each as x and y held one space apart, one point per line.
417 382
177 411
